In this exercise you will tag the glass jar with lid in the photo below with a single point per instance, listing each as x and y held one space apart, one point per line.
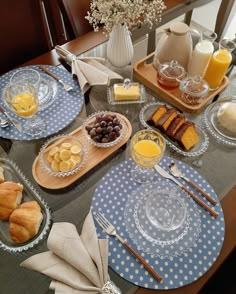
169 74
193 89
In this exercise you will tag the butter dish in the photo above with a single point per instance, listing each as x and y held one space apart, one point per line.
126 93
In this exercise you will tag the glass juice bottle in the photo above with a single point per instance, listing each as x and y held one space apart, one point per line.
202 54
219 64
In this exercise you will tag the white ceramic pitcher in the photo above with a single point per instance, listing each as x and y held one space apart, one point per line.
175 43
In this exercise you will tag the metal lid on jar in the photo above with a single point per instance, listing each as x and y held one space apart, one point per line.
194 86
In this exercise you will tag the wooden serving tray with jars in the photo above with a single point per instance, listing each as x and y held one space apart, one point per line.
147 74
95 156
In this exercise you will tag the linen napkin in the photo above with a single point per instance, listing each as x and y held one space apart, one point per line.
90 71
76 264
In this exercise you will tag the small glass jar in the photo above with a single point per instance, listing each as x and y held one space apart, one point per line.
169 74
193 89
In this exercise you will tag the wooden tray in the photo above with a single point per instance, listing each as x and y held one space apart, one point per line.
147 75
95 156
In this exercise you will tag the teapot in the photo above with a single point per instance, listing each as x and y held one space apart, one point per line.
175 43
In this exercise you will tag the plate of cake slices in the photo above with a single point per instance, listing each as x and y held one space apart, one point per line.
181 134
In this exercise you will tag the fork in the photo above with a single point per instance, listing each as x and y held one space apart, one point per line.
111 230
15 122
65 86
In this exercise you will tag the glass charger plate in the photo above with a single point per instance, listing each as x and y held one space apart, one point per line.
197 150
13 173
213 126
59 113
153 240
47 93
110 199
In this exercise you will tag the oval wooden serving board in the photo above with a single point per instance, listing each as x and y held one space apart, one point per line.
95 156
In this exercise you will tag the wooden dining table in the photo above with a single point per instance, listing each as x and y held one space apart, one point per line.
72 203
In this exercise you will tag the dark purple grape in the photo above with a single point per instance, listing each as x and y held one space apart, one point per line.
110 123
116 121
99 130
120 125
88 128
93 133
97 139
117 129
98 118
109 129
112 136
103 123
105 140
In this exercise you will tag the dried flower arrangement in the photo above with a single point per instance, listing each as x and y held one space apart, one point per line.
125 12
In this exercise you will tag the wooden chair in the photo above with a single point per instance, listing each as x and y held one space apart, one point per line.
24 34
73 14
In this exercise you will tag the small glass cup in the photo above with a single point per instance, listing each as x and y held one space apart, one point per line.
27 75
21 98
147 148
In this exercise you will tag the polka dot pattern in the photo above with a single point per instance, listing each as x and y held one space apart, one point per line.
58 115
110 198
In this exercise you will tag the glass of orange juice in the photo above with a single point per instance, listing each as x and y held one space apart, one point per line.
147 148
21 98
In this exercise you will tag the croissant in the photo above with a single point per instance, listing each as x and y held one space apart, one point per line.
25 222
10 198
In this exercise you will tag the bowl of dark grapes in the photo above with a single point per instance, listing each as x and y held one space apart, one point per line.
104 129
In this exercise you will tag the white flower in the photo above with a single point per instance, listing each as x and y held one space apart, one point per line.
108 13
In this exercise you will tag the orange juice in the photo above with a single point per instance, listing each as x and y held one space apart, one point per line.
146 153
25 104
217 68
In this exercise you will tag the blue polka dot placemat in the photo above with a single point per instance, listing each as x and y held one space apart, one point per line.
59 114
110 198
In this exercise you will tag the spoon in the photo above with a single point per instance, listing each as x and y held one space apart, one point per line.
176 172
4 123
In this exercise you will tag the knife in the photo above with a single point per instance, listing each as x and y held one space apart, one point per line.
11 120
166 175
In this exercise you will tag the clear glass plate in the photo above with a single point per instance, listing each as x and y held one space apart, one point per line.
154 240
13 173
47 92
197 150
213 125
111 98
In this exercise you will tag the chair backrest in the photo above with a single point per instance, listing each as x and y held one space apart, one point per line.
24 32
73 13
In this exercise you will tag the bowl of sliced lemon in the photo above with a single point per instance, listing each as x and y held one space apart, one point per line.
62 156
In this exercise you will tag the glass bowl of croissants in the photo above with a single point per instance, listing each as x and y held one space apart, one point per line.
25 218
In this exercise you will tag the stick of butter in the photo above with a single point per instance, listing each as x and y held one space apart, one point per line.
122 93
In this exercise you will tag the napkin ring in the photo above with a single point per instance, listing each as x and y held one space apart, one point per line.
110 288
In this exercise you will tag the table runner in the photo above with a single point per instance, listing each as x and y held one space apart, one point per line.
110 198
57 115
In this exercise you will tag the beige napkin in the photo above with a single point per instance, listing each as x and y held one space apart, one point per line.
90 71
76 264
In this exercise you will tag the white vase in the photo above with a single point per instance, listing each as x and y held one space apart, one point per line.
120 49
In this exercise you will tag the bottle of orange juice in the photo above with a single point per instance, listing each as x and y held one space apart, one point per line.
219 64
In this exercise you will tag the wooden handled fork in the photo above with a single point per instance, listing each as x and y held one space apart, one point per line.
110 230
